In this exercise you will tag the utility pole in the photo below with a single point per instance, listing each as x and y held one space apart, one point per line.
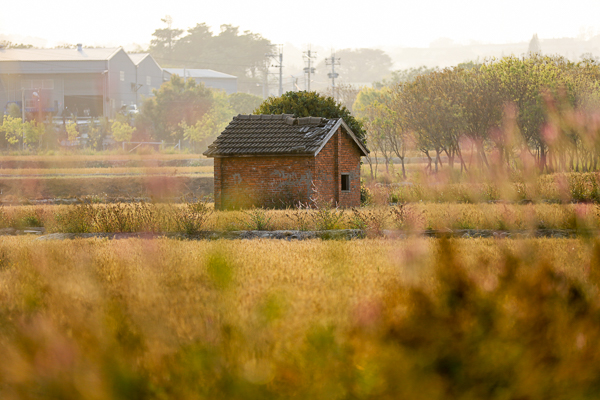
332 61
278 57
308 56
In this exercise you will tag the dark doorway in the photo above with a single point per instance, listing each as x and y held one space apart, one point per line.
83 106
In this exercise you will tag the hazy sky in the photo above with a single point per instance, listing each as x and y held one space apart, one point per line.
334 23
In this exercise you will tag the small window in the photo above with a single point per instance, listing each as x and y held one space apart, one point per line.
122 75
345 182
148 81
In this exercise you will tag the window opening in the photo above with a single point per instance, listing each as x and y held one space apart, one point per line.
345 182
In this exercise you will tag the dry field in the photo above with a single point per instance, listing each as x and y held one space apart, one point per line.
23 172
99 157
265 319
21 189
149 217
369 319
24 178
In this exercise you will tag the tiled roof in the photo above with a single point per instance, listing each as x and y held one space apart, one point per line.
276 135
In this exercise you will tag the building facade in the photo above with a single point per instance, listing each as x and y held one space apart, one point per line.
279 160
149 76
74 82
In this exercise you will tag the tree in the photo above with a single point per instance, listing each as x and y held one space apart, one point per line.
212 123
97 130
174 102
34 132
10 45
241 54
429 112
385 130
164 39
538 104
482 106
14 110
534 46
404 75
524 82
305 104
244 103
122 131
50 137
12 128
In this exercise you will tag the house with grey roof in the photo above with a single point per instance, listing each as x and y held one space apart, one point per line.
210 78
280 160
81 81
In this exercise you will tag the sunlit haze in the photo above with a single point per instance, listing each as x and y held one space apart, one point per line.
339 24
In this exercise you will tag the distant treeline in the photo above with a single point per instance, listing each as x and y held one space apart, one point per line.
504 112
229 51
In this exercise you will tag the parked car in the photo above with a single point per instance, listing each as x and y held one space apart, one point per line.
131 109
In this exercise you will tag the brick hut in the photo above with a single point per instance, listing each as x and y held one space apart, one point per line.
275 160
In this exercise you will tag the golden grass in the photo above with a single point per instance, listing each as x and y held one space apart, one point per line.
419 216
163 319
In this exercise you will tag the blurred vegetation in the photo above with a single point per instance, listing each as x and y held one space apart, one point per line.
508 114
372 319
174 102
244 103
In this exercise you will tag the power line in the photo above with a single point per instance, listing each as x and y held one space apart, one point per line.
308 56
278 57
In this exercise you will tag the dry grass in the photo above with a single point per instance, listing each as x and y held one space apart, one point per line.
413 216
20 172
163 319
478 188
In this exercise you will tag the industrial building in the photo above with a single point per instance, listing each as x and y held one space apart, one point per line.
76 82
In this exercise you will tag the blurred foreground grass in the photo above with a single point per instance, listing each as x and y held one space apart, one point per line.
370 319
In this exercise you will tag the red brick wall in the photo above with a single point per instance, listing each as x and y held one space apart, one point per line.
262 181
339 156
326 171
217 182
271 181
